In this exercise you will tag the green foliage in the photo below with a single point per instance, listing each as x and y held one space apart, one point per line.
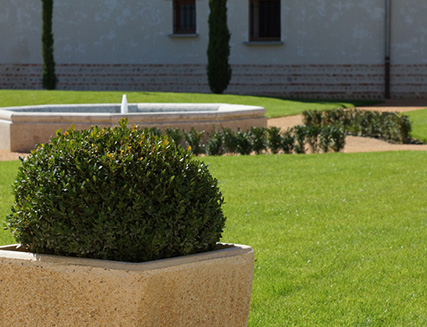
194 141
218 70
176 134
312 117
338 135
313 135
325 139
259 139
300 133
244 142
288 141
215 144
274 139
405 129
120 194
389 126
155 131
230 140
49 77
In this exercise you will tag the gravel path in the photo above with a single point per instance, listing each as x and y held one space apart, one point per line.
8 156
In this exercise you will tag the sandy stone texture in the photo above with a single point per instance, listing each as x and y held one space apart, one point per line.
207 289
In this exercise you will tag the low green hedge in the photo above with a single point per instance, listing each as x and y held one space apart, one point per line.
260 140
390 126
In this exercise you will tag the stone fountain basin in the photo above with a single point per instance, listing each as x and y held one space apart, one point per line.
22 128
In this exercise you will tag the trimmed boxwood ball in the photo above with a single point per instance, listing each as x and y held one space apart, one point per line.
119 194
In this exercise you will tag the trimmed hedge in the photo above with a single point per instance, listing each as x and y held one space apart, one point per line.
389 126
260 140
120 194
322 131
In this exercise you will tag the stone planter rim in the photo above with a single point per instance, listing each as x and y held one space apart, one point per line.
225 250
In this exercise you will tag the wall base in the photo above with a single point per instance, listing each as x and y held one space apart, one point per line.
361 81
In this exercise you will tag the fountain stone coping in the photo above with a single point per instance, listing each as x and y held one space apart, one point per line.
21 128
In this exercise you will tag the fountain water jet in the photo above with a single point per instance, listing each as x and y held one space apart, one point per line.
124 106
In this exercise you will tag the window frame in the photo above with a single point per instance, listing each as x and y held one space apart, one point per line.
178 27
254 18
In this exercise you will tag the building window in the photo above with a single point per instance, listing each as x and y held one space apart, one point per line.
264 20
184 16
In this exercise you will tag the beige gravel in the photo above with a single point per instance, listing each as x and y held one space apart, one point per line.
8 156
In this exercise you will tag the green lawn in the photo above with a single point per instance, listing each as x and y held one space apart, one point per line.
276 107
8 171
418 119
339 239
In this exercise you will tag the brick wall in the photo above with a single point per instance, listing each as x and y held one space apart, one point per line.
409 81
307 81
20 76
172 78
311 81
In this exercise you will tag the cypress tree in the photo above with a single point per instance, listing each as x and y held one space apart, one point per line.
49 78
218 70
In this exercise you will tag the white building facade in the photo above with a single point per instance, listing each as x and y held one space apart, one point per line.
289 48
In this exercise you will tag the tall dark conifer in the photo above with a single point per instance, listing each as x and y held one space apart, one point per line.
49 76
219 70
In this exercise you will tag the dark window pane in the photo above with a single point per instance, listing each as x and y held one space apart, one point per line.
265 20
184 16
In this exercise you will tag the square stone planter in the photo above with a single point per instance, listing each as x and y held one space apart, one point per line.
207 289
